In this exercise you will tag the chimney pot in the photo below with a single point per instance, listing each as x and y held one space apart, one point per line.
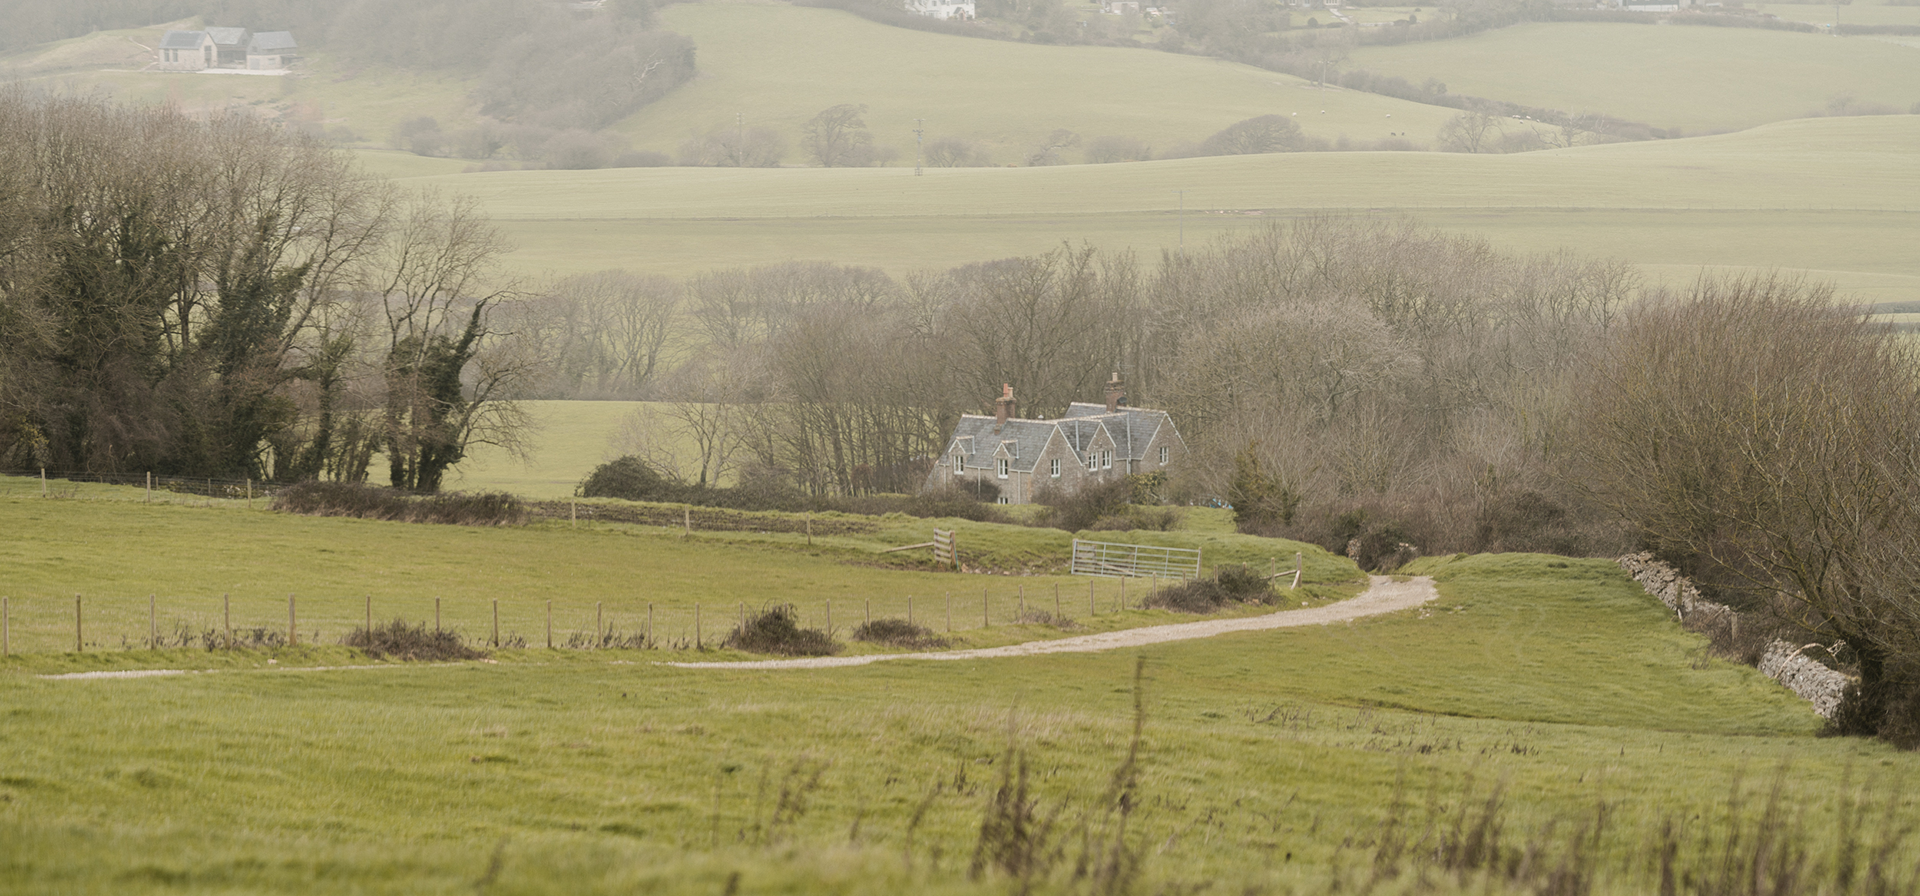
1116 392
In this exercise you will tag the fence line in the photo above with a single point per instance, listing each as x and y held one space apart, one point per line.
46 624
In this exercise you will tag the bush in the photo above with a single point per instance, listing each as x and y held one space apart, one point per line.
352 499
412 643
630 478
1233 583
777 630
899 633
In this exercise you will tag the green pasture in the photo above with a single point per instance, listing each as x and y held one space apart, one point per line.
1685 78
569 439
189 566
1268 762
777 66
1836 198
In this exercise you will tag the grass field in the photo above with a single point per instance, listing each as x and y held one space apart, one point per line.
1839 198
1691 79
1269 762
776 66
197 551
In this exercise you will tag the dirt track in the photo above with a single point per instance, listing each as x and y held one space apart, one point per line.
1384 596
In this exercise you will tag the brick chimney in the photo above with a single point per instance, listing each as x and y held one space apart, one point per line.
1004 407
1116 393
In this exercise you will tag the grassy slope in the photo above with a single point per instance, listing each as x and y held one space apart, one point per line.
1693 79
367 100
190 555
779 65
1263 752
1833 196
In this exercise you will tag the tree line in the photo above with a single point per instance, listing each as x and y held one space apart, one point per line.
226 298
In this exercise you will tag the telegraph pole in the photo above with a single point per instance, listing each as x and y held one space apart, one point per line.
919 136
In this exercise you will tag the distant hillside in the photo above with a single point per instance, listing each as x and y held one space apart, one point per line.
1688 79
776 66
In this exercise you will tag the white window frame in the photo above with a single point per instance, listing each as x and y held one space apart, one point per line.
1056 468
1093 461
1164 451
959 463
1002 467
1106 459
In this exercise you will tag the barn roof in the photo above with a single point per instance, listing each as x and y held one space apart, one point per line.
272 42
183 40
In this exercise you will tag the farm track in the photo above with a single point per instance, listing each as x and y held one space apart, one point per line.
1384 595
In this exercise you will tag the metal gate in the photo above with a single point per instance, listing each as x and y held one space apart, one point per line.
1104 558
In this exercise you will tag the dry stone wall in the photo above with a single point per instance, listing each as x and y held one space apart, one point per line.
1782 662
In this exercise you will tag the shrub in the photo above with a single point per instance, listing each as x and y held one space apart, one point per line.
630 478
777 630
413 643
898 633
352 499
1232 583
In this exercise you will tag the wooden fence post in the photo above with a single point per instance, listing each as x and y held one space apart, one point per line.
436 614
6 628
496 622
1296 570
249 492
369 620
43 482
687 521
986 621
153 622
696 626
599 624
949 612
869 616
809 529
79 639
829 615
149 486
743 614
1091 609
1120 603
226 617
1056 601
549 623
293 623
649 641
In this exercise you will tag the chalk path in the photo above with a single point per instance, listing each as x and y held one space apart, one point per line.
1384 595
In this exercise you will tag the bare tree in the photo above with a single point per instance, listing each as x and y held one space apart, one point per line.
1474 131
838 137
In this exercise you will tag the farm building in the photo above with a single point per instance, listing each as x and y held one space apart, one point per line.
187 51
941 9
1092 444
225 48
270 50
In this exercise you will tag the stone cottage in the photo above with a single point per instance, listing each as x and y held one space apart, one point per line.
187 51
1092 444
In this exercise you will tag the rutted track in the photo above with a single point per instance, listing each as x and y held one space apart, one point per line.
1383 596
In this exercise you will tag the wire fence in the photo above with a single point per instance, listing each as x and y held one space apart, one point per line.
67 623
65 483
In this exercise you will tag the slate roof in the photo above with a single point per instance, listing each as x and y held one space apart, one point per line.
1132 428
272 42
1025 438
182 40
228 37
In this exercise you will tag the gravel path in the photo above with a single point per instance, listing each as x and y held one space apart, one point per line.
1383 596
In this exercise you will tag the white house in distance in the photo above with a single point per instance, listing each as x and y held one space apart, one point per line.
233 49
1092 444
941 9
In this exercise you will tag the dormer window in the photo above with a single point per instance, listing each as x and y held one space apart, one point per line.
1093 462
1106 459
960 463
1163 455
1002 466
1056 468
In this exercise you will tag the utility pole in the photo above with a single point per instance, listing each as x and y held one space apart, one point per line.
919 136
